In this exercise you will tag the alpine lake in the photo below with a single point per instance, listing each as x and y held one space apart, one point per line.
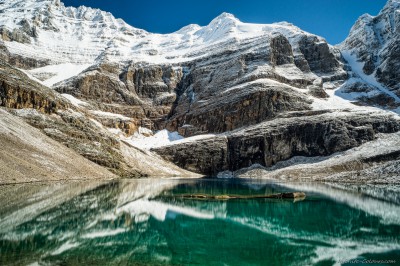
154 222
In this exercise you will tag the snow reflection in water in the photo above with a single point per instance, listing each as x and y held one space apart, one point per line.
143 221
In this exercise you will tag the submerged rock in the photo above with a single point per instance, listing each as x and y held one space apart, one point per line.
289 195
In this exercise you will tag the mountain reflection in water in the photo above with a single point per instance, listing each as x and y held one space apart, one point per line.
144 222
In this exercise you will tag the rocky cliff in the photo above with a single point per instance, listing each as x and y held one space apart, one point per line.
18 91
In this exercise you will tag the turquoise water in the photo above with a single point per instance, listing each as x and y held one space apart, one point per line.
145 222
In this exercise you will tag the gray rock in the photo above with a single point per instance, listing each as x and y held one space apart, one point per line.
318 55
207 156
20 61
281 50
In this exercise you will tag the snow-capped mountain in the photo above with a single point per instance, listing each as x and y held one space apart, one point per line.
373 51
48 30
82 46
75 38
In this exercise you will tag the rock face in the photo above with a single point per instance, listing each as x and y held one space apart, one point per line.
319 56
206 156
16 35
271 142
144 93
18 91
247 106
375 44
281 51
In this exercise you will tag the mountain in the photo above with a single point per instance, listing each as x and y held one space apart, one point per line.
373 52
241 94
49 31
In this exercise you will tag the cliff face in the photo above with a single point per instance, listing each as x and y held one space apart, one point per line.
23 62
146 93
18 91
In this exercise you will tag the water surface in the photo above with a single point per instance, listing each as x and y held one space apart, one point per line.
145 222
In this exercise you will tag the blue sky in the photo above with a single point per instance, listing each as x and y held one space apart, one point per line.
331 19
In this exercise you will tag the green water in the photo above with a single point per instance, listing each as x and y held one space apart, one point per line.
145 222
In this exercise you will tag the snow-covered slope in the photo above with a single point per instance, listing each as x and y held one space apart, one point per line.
49 30
46 29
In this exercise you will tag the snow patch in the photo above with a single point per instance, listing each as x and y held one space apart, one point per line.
110 115
160 211
59 72
357 68
161 138
339 100
76 102
105 233
66 246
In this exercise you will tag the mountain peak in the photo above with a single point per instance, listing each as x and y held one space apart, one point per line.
220 27
224 17
189 28
45 27
391 5
56 2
